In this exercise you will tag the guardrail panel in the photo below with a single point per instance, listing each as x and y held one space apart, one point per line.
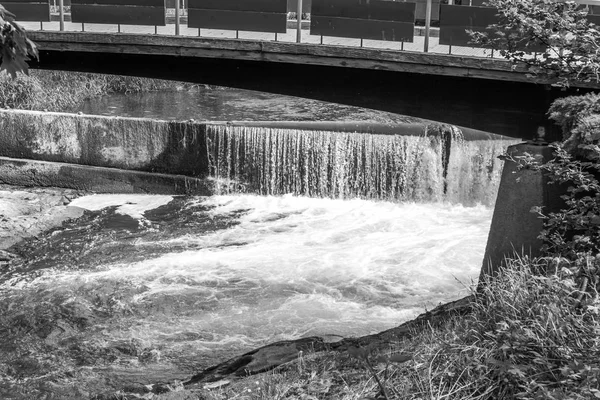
172 3
292 6
362 29
128 12
455 20
421 10
248 15
237 20
29 10
361 9
376 19
132 3
262 6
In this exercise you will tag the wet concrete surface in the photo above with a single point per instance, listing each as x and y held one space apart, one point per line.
27 212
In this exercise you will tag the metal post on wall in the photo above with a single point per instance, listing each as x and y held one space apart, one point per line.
61 14
177 17
299 19
427 25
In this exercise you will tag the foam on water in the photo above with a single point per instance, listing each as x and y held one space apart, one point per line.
133 205
290 267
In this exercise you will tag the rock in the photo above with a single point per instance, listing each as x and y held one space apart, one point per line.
271 356
161 388
137 388
216 385
149 356
259 360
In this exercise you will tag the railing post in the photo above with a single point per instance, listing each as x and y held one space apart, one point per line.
61 13
299 19
177 17
427 25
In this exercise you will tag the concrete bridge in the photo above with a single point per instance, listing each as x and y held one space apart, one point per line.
371 56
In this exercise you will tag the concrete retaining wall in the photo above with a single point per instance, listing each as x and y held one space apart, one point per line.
515 228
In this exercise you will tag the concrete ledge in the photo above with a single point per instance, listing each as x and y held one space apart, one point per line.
370 127
97 179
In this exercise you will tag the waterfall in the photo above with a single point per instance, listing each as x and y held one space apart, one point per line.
429 168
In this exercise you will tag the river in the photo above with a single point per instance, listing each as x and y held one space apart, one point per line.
147 288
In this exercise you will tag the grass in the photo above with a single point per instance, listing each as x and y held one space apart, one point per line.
527 337
65 91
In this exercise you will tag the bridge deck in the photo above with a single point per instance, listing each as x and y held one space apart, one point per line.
257 46
290 37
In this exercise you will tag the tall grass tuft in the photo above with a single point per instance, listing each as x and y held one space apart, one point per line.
526 338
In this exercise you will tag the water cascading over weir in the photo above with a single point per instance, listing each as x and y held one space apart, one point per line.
437 166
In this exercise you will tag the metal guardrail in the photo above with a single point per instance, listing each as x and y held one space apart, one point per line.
239 15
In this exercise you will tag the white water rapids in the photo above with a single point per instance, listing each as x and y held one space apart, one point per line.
147 288
290 267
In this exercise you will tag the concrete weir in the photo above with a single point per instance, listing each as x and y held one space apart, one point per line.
156 149
127 143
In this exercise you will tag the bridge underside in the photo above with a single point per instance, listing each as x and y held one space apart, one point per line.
498 106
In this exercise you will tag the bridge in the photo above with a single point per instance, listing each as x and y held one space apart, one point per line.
368 54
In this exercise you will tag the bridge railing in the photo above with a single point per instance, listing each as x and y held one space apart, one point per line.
375 21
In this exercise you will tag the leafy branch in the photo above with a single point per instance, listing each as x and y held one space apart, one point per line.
15 47
566 44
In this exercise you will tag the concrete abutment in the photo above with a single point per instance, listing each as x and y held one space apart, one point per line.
515 228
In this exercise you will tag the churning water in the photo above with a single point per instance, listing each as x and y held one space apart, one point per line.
349 234
200 279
